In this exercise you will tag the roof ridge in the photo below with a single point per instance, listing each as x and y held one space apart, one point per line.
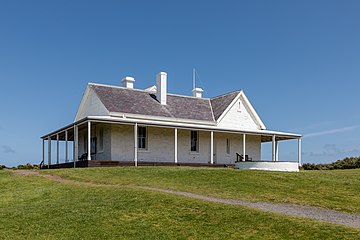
239 90
212 110
113 86
143 90
178 95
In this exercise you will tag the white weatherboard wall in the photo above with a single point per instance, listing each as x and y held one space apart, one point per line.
91 106
238 117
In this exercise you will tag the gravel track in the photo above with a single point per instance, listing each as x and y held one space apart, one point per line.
346 219
350 220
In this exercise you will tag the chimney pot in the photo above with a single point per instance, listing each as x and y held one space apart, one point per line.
128 82
197 92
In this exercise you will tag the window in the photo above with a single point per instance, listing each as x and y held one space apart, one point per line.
194 141
239 106
142 138
228 146
85 143
101 140
93 145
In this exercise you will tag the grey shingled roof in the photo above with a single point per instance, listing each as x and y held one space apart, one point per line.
220 103
124 100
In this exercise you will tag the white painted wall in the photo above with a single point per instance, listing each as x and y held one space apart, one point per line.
253 147
184 153
105 154
91 106
119 145
122 142
81 145
239 117
160 147
269 166
95 132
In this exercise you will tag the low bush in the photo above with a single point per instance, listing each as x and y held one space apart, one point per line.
2 167
346 163
27 166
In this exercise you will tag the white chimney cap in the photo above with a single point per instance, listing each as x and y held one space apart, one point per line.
128 82
197 92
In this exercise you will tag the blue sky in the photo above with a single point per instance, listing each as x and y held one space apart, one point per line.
297 61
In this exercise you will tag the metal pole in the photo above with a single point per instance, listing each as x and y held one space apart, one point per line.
299 152
89 141
49 152
212 147
66 147
43 152
276 151
244 147
273 148
176 147
135 144
75 147
57 149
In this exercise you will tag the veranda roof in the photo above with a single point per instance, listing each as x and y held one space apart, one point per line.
266 135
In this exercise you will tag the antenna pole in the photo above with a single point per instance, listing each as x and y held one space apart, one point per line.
193 78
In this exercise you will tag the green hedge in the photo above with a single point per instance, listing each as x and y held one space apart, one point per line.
346 163
27 166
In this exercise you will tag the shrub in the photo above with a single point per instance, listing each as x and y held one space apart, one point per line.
27 166
2 167
346 163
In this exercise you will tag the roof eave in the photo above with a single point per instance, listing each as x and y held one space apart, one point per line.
118 120
158 118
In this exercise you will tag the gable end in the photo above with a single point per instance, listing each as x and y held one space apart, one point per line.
240 114
90 105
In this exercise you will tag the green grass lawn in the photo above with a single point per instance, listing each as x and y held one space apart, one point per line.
37 208
337 189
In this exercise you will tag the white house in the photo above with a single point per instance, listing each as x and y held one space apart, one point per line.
121 125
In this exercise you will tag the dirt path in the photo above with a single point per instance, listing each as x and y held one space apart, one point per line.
27 173
350 220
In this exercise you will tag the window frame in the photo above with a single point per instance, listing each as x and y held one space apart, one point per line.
228 146
93 147
194 138
142 140
239 105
